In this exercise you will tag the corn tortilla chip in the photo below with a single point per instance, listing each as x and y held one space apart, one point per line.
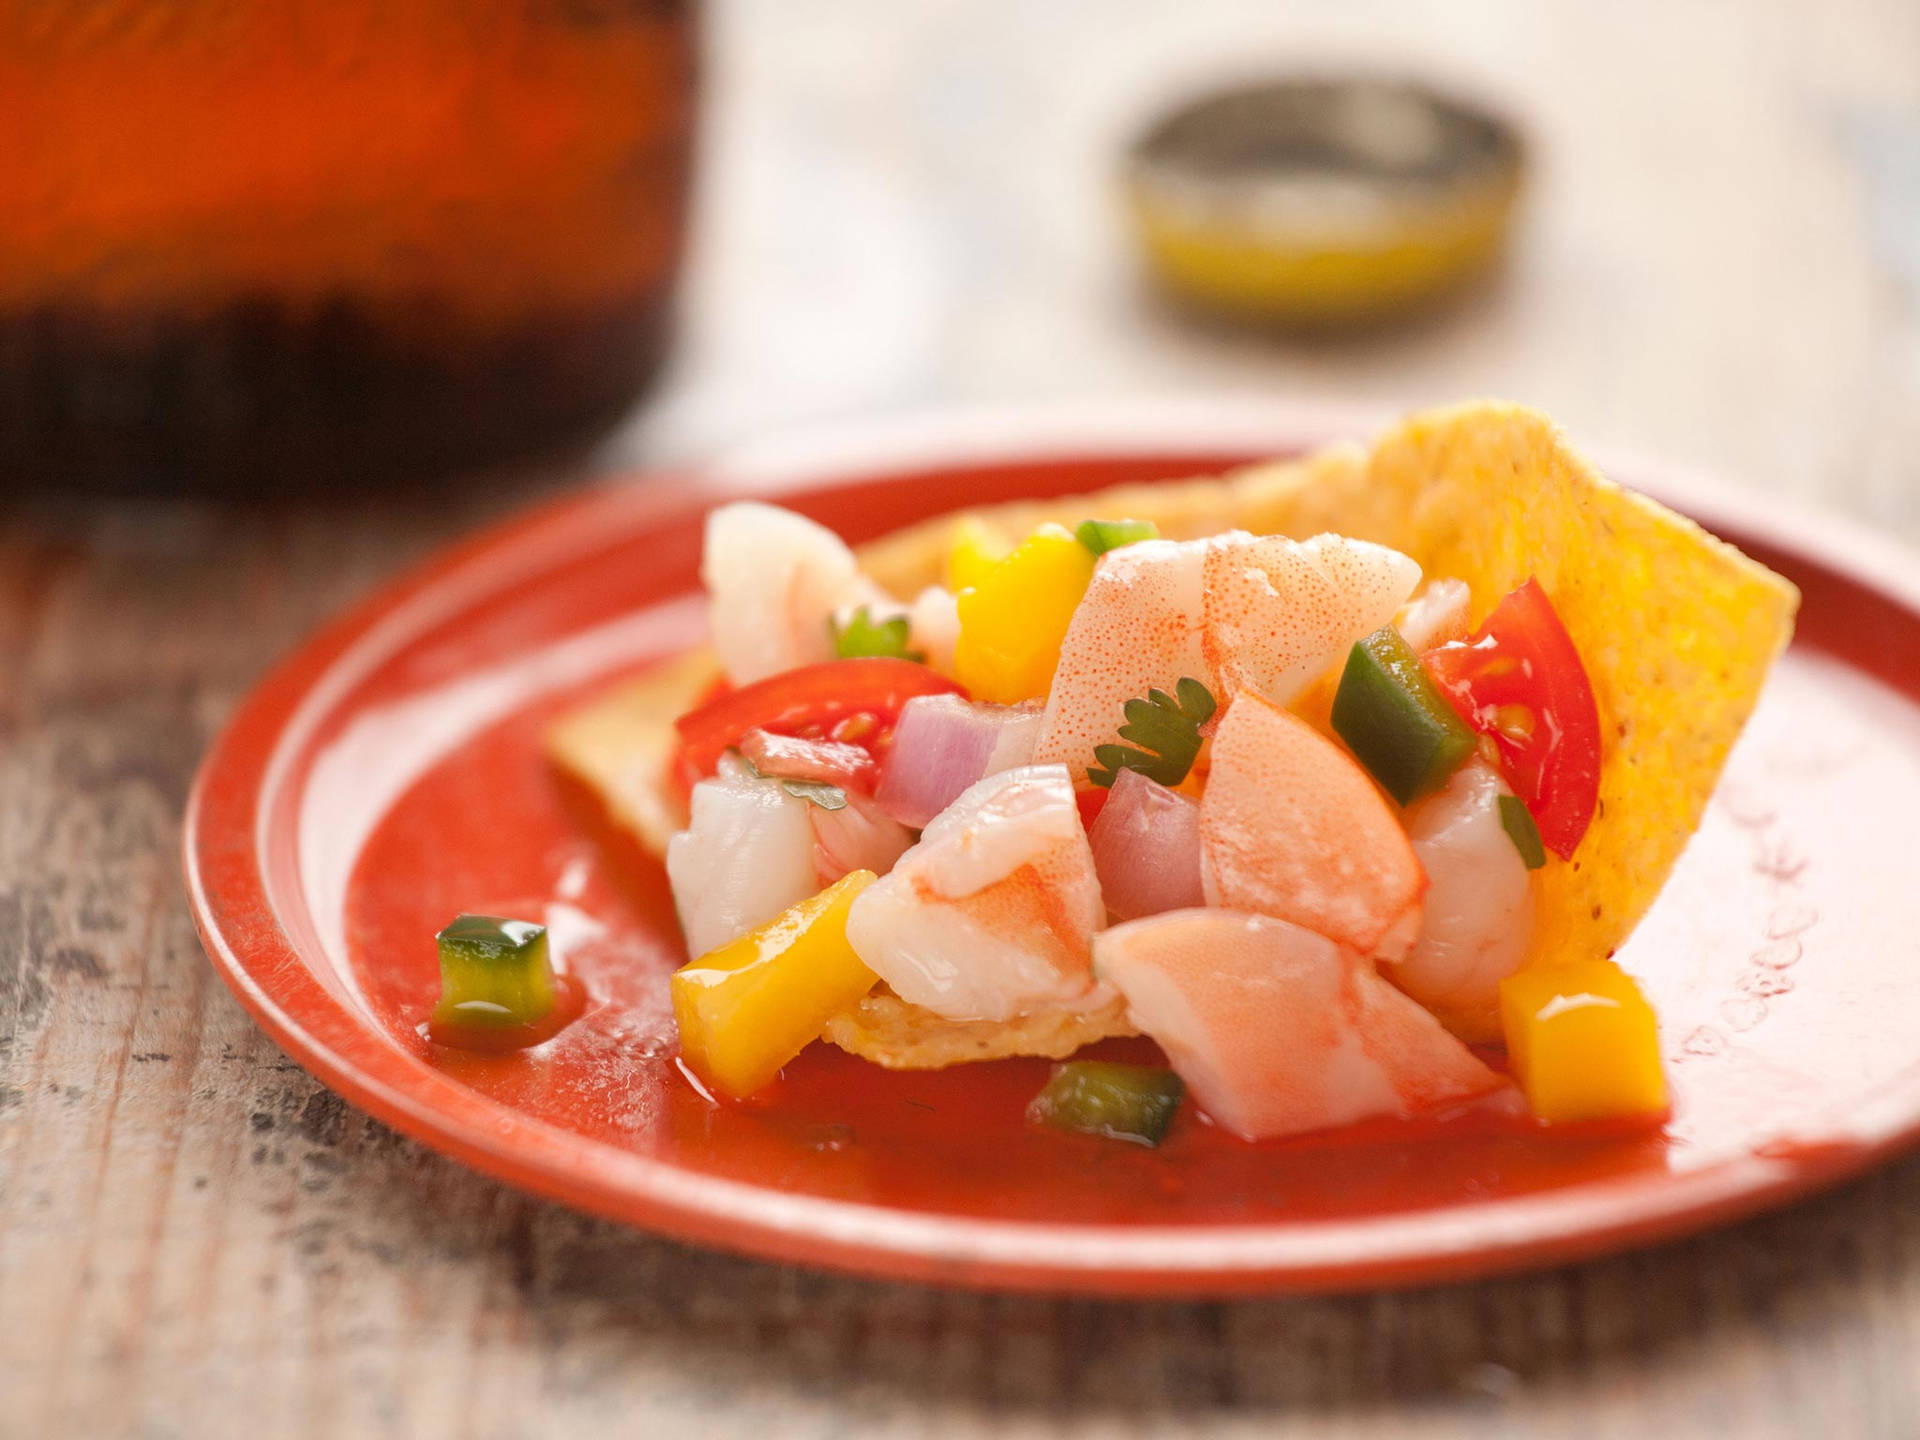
1677 630
889 1031
909 560
620 744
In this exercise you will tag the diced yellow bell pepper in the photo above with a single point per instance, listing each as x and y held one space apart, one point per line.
749 1007
1582 1042
976 550
1013 619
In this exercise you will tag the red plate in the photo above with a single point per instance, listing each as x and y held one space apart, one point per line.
388 775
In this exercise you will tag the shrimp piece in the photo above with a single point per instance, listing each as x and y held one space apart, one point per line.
1235 612
933 623
1439 613
857 836
774 581
991 915
1279 612
1290 826
1278 1030
745 856
1479 904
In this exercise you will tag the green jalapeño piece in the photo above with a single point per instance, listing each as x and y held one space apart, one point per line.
493 973
863 636
1097 1097
1395 720
1520 829
1100 536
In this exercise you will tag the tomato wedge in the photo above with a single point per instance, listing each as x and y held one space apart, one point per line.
811 699
1519 681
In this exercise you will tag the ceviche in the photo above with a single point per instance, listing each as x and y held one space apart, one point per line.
1341 779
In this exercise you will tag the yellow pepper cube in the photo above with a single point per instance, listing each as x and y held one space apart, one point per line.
747 1008
1013 619
976 550
1582 1042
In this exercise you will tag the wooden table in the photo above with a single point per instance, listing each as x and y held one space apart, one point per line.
196 1240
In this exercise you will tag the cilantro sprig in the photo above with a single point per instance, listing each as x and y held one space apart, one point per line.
863 637
1165 730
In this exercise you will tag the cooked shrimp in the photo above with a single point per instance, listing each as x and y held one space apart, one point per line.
933 625
857 836
990 916
1236 611
774 580
1278 1030
1439 613
1291 827
746 855
1479 904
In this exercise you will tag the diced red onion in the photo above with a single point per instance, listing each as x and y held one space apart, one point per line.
857 836
942 744
1146 848
789 757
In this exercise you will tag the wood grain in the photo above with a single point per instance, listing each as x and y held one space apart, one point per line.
197 1240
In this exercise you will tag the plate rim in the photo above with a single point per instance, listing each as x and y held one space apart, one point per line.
260 963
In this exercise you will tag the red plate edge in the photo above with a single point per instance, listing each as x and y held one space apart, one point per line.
232 911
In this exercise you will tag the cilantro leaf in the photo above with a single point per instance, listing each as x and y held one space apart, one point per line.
1100 536
814 792
1166 732
863 637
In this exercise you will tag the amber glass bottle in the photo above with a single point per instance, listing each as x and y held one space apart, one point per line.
250 244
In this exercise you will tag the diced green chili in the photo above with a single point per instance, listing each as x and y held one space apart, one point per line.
1395 720
1520 828
1100 536
1097 1097
864 637
493 973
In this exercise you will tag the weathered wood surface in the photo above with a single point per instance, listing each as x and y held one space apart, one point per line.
197 1240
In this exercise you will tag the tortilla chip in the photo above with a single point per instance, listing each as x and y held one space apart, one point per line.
619 746
1677 630
909 560
887 1030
